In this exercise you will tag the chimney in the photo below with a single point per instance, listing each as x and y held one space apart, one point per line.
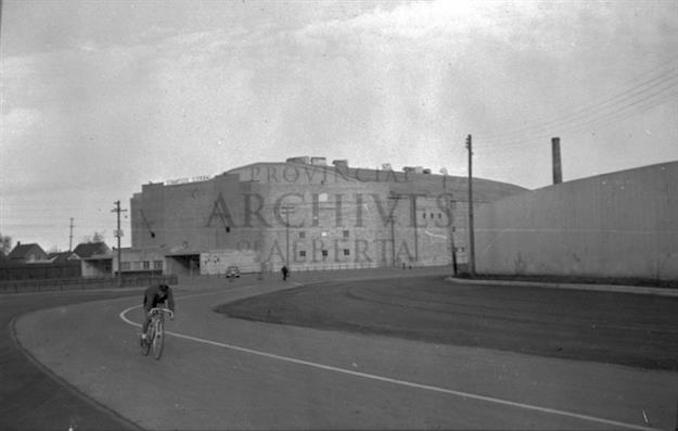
557 168
340 163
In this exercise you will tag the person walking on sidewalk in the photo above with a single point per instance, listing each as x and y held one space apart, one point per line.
285 272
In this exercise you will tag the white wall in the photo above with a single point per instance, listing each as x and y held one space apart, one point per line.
216 262
623 224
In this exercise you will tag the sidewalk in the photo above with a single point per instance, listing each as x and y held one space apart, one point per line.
305 277
616 288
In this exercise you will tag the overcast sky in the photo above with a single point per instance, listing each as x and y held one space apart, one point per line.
99 98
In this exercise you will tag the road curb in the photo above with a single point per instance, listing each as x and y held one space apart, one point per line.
615 288
63 382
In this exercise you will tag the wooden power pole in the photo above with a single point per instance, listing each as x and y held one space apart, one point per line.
70 238
118 234
471 235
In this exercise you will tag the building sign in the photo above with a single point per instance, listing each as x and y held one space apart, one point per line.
187 180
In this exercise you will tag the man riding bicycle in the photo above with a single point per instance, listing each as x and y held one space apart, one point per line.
154 296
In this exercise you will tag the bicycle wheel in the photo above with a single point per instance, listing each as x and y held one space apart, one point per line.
146 345
158 340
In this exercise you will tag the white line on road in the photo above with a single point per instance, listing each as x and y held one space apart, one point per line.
397 381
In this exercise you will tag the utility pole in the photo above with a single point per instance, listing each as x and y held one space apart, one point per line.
287 209
472 251
391 219
70 238
118 234
415 225
452 245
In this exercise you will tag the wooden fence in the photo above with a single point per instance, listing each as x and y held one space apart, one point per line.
82 283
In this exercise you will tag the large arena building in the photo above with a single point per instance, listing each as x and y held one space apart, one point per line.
304 213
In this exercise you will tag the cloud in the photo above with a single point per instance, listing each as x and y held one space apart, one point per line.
390 85
18 121
106 96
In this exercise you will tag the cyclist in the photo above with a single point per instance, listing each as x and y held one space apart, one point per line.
154 296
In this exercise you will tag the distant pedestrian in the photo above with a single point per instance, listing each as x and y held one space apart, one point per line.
285 272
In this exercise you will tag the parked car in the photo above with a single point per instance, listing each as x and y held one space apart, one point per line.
232 272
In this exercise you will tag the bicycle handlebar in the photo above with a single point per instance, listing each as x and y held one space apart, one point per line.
161 310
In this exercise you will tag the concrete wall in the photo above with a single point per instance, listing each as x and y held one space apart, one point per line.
217 262
623 224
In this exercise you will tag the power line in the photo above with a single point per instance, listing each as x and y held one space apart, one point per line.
624 112
656 87
663 77
651 100
594 115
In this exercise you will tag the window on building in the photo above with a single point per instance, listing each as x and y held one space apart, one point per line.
322 197
157 264
125 266
302 253
346 234
302 234
431 215
440 215
347 252
147 264
325 253
424 214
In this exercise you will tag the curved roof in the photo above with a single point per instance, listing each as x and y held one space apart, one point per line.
399 182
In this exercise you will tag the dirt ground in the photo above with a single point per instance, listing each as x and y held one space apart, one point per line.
626 329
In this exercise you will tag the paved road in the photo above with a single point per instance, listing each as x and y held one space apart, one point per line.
34 398
220 373
31 398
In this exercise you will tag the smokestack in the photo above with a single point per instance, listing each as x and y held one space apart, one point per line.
557 168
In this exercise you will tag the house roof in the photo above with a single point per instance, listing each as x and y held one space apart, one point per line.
89 249
60 257
21 251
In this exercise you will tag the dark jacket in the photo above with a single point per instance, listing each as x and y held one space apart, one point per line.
153 297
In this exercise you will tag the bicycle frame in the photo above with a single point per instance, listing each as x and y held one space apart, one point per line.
156 331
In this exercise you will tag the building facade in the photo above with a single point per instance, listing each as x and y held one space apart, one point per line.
618 225
304 214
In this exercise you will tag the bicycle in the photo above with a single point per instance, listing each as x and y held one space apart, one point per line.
155 333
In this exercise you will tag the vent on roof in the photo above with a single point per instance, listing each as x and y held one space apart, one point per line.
301 159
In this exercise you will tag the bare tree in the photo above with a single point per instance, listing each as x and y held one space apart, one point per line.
96 237
5 244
